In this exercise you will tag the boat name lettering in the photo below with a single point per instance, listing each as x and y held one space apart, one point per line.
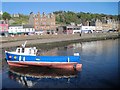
37 59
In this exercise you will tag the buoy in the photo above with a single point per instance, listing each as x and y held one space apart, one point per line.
77 67
74 67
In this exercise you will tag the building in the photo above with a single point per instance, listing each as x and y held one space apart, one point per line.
31 19
111 24
76 29
70 29
103 25
3 28
98 25
15 15
15 29
21 29
28 29
106 24
1 13
43 23
61 30
87 29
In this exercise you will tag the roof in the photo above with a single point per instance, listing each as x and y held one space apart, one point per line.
70 26
28 26
14 25
3 22
24 26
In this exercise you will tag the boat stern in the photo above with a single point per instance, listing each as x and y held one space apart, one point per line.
79 67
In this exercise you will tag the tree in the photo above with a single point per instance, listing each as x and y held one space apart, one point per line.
6 16
66 17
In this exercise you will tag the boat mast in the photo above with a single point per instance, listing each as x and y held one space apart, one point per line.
23 45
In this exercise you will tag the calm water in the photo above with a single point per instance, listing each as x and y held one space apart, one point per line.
100 69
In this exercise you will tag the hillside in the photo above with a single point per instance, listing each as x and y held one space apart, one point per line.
66 17
22 19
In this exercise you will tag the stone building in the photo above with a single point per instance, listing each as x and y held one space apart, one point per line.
31 19
109 24
106 24
98 25
43 22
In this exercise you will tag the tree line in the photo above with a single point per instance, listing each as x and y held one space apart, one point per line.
66 17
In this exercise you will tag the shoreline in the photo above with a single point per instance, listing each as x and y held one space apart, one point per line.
42 40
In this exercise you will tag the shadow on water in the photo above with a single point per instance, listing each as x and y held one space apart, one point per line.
29 76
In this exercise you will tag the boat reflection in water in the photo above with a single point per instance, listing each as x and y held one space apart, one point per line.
28 77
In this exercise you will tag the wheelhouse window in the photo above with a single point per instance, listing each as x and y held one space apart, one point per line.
19 50
34 51
22 50
29 51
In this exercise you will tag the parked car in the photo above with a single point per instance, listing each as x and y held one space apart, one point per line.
111 30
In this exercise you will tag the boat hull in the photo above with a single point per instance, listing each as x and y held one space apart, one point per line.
68 66
61 62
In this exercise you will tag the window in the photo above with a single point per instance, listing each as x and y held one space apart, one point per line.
34 51
22 50
19 50
36 23
29 51
2 22
4 28
69 28
44 23
0 28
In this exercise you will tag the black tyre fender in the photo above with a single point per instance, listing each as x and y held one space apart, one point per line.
74 67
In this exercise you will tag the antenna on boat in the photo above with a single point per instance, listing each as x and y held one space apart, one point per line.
23 45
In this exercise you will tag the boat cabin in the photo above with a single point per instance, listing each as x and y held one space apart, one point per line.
26 51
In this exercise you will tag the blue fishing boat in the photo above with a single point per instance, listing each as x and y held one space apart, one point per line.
27 56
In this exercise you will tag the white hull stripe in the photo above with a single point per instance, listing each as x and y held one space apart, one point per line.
39 62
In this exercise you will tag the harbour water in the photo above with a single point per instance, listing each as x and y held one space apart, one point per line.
100 68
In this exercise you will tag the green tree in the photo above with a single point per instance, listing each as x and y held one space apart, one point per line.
66 17
6 16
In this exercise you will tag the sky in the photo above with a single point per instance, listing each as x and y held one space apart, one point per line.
110 8
60 0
